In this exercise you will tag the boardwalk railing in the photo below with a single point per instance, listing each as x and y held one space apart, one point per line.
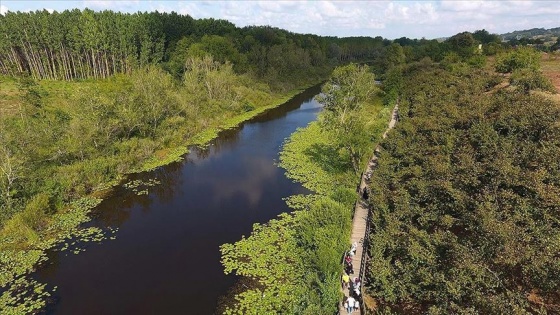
363 261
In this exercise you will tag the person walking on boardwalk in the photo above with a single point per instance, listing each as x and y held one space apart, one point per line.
348 259
350 302
357 282
356 305
345 280
356 286
349 268
353 249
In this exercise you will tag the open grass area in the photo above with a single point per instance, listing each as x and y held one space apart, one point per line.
9 96
550 66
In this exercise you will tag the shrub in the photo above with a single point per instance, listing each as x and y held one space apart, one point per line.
521 58
531 79
35 213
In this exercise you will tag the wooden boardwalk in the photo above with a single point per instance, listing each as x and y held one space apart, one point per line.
360 221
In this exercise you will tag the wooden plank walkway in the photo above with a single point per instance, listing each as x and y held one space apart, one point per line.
360 222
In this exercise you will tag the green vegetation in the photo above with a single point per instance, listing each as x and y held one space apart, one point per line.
294 261
464 205
524 66
465 198
343 96
540 38
86 44
521 58
125 124
88 97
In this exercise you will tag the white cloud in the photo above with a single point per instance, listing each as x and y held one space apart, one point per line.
278 6
110 5
462 6
194 9
390 19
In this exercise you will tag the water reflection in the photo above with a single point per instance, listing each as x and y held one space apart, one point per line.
166 257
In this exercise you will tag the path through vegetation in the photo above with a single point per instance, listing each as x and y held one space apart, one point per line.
360 226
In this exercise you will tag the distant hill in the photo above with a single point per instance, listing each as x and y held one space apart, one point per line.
533 34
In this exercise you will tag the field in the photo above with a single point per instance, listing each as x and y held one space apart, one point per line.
550 65
9 96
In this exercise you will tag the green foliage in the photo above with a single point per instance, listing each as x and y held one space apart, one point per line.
393 56
63 141
477 61
392 84
74 138
530 79
492 49
464 200
17 262
307 242
311 159
464 44
35 213
270 256
87 44
344 96
25 296
484 37
520 58
220 48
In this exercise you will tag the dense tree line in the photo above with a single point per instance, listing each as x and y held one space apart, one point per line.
88 44
80 44
464 45
465 199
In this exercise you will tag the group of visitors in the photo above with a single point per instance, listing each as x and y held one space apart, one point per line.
351 303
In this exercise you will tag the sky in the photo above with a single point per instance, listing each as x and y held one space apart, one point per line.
389 19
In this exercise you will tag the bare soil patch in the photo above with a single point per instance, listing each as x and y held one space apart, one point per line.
550 66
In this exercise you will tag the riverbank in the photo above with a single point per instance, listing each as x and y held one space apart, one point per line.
297 266
20 256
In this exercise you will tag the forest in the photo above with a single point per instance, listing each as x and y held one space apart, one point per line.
88 44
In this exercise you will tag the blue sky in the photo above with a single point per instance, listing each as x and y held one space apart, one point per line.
390 19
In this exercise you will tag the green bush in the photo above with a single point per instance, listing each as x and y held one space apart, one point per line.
519 58
36 211
531 79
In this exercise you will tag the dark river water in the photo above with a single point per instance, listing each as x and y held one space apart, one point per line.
166 259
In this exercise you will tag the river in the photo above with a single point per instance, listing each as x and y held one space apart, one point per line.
165 258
